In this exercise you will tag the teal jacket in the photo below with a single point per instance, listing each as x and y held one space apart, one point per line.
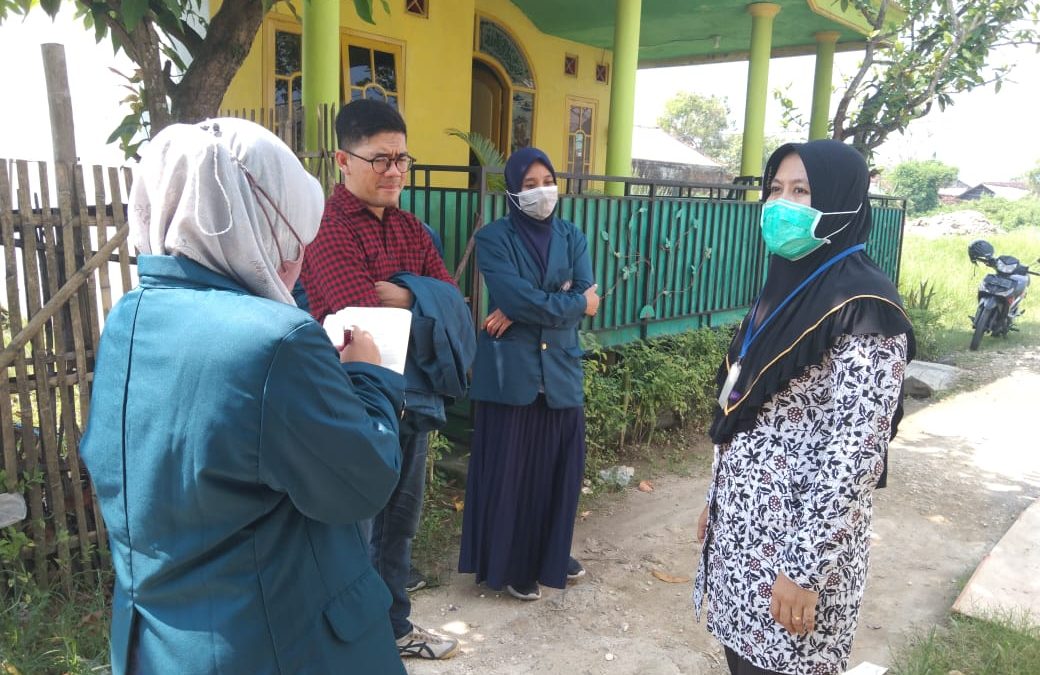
232 457
540 351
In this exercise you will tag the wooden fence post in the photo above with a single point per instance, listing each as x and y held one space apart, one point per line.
59 100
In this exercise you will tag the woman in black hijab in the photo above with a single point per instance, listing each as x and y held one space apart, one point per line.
809 396
527 456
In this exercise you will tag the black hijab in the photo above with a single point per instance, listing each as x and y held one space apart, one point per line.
852 297
536 234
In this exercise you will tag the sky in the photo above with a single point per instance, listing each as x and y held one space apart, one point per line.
987 136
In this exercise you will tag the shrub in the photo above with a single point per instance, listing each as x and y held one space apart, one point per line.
631 390
919 182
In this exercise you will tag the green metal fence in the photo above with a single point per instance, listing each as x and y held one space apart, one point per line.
664 263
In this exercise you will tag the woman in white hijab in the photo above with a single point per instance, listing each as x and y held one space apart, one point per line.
232 448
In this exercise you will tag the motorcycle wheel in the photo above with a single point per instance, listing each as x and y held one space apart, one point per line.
982 319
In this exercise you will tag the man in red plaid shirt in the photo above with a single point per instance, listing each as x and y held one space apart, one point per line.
365 239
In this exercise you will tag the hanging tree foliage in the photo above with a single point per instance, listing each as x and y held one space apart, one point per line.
942 48
185 60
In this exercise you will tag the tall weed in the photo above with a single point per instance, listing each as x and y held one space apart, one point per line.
47 631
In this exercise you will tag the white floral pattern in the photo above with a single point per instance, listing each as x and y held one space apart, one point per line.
794 495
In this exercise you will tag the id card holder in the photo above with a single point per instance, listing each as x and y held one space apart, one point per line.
727 387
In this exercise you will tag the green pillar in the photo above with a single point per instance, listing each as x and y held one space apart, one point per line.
320 63
762 14
623 91
826 41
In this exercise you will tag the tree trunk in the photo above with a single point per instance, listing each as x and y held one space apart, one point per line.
228 40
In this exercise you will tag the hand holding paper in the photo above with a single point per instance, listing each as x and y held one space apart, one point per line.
389 328
359 347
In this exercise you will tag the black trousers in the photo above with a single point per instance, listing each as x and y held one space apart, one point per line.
740 666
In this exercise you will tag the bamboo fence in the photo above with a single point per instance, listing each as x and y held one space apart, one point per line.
60 259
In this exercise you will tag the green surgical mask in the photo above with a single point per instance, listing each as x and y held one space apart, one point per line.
789 229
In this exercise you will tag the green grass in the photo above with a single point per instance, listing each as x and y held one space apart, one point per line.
47 631
1006 644
943 264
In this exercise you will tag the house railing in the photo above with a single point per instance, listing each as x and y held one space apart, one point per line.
667 256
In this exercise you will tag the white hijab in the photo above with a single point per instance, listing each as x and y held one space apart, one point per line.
213 192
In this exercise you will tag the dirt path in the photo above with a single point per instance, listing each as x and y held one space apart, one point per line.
961 470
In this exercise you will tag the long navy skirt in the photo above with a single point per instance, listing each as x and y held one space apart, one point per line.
525 471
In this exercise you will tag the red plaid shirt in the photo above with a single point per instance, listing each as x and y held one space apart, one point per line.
354 250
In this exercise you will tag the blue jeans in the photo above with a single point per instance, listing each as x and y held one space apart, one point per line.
392 530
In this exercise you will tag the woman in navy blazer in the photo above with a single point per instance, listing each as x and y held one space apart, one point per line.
232 452
528 452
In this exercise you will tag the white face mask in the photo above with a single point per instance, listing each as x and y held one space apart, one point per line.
538 202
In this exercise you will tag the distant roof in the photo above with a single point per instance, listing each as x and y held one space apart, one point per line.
1007 190
657 145
1019 185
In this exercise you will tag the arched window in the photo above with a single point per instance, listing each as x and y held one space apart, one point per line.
494 41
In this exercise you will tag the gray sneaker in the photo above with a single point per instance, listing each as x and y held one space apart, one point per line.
415 581
424 644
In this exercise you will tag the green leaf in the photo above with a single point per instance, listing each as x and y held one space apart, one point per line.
97 18
487 154
51 7
647 312
364 10
132 11
126 129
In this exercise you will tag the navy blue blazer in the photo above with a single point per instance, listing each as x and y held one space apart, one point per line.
440 351
540 351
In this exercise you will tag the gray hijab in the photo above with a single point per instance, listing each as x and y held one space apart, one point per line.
229 195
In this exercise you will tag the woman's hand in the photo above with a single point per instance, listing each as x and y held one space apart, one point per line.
792 606
702 525
497 323
591 300
361 348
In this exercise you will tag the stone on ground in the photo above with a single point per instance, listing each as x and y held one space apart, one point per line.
924 379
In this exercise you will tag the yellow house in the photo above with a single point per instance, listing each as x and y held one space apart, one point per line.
477 65
557 75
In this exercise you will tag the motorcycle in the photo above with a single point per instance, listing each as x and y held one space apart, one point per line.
1000 295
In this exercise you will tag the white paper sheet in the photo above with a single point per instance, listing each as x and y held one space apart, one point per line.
389 326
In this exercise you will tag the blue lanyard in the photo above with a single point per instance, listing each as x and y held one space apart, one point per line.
751 335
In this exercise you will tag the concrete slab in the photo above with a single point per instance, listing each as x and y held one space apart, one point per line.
1008 578
924 379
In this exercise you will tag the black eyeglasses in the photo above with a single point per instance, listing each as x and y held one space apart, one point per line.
381 163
